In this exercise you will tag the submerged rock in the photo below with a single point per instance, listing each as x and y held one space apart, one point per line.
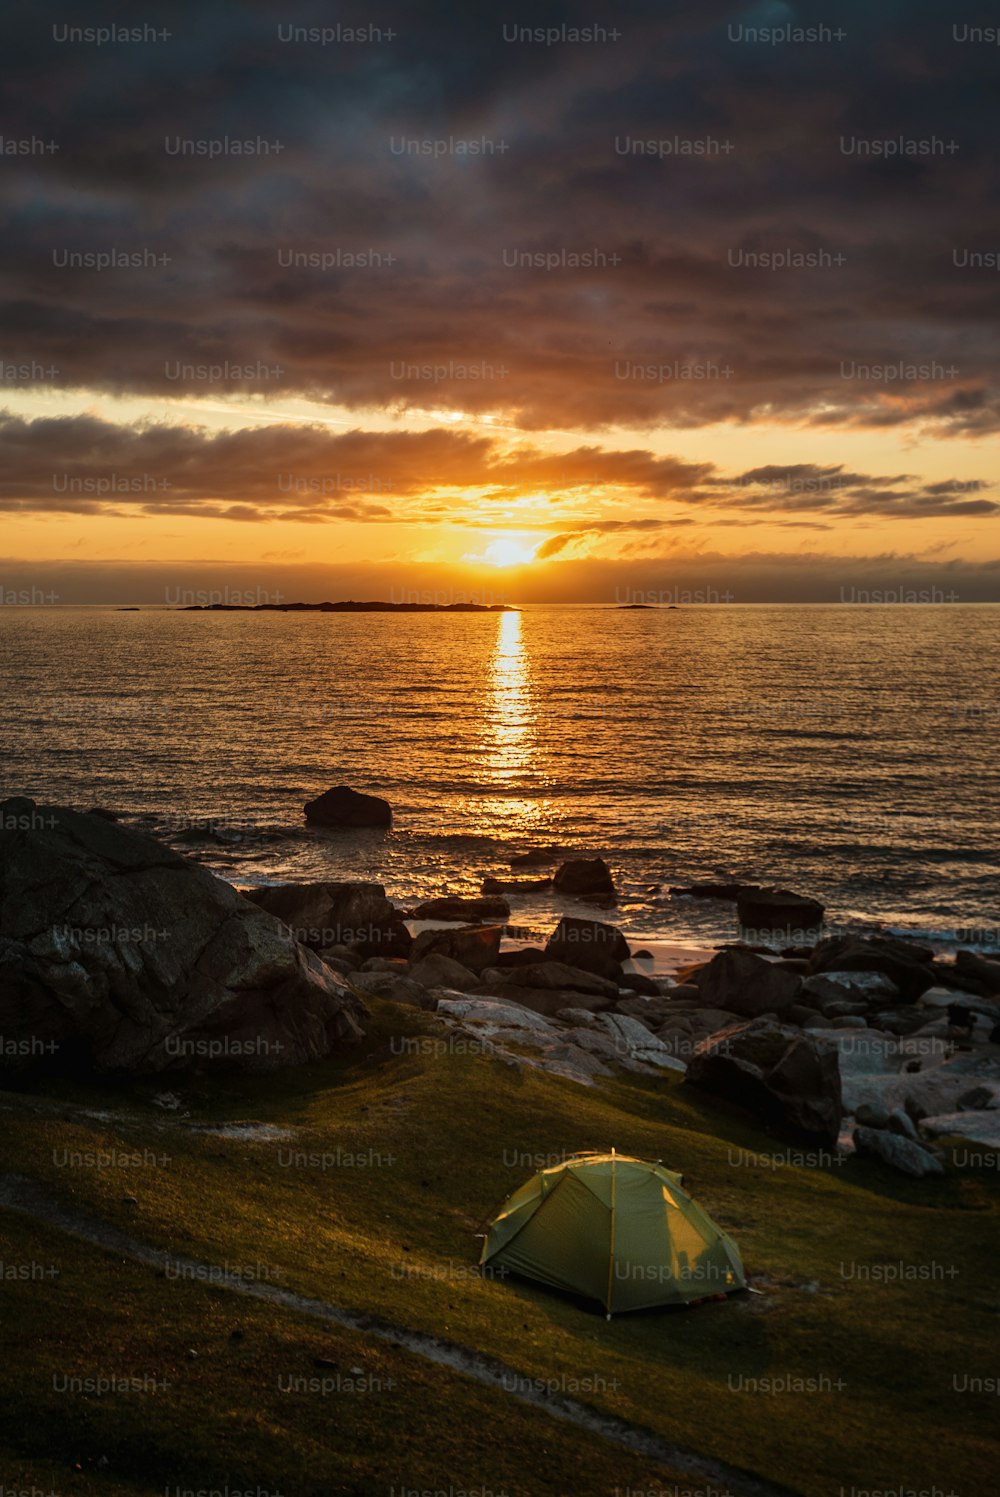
345 807
469 911
777 910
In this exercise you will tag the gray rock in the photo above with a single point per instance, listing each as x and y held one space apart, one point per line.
897 1152
868 1116
745 984
781 1074
125 956
634 1044
899 1121
343 807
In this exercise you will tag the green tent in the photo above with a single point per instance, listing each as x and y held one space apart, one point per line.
615 1229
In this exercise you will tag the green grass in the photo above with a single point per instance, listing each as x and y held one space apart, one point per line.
446 1135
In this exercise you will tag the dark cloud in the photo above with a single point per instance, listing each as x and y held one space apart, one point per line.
85 465
687 328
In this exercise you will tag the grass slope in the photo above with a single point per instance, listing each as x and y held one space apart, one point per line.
419 1148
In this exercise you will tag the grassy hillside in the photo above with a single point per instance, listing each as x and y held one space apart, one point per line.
881 1295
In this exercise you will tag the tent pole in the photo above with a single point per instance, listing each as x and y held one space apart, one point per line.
611 1254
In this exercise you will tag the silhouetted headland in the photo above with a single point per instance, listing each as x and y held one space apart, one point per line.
376 606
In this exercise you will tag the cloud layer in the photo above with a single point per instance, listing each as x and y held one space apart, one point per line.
676 225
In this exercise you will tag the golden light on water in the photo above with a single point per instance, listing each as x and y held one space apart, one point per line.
509 721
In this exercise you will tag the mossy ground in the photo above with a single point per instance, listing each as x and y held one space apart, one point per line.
881 1294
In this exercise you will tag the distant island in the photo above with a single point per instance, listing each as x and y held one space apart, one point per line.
348 607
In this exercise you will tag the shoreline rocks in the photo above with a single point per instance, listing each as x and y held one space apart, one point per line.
323 915
118 954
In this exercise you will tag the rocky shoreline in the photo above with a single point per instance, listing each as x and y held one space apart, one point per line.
118 955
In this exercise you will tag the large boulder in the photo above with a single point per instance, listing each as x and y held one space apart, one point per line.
465 911
776 911
343 806
473 946
906 964
589 944
355 915
743 983
780 1074
584 876
119 955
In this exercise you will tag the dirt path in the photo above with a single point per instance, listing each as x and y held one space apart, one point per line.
22 1195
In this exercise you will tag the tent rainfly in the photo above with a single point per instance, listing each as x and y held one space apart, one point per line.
615 1229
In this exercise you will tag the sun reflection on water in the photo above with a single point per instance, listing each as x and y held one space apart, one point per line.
510 719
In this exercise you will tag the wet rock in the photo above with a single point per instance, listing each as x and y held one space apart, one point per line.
584 876
344 807
778 910
468 911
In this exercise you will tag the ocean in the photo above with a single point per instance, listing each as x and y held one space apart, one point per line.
848 752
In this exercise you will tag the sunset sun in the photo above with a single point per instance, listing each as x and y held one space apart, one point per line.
508 551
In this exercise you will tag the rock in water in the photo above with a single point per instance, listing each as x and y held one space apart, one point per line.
118 954
584 876
343 806
776 1072
452 907
778 911
747 984
588 944
355 915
